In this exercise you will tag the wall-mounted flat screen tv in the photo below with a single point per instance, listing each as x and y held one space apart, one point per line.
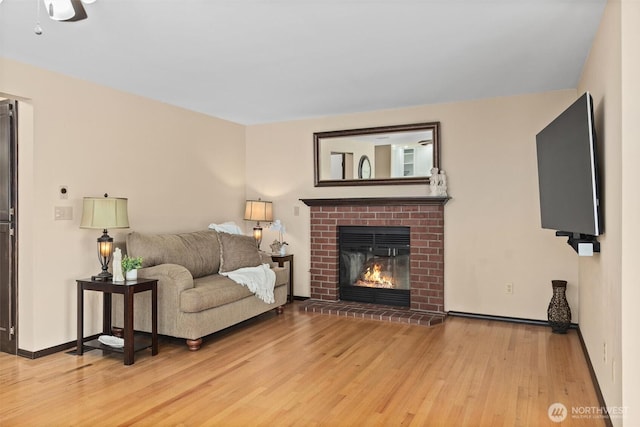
568 171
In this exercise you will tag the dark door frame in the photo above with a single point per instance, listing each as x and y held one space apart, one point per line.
9 299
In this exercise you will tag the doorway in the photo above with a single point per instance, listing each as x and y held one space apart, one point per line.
341 165
8 233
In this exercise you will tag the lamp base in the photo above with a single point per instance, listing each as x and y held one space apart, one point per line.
105 276
257 234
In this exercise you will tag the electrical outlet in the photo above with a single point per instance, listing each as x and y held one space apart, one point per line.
64 192
508 288
604 353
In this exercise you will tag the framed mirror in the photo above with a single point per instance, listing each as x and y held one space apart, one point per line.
402 154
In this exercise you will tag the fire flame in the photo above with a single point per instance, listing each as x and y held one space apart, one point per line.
375 278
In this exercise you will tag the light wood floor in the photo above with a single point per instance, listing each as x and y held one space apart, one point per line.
312 370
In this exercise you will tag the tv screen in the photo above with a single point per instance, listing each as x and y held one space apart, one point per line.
568 173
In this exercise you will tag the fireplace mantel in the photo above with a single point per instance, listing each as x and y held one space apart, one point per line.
378 201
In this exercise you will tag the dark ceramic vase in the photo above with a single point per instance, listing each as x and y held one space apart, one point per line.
559 313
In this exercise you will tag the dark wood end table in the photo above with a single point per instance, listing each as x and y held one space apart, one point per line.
127 289
281 259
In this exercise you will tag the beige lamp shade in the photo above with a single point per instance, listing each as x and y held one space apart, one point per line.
258 210
104 213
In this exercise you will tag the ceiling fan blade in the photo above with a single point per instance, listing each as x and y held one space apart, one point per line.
80 12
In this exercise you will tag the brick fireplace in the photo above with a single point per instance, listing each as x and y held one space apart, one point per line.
424 216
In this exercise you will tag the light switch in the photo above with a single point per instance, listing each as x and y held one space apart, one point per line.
63 213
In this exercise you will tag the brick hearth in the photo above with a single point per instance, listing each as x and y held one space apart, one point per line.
378 312
424 216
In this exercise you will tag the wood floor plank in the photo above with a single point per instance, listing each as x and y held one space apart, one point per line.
313 370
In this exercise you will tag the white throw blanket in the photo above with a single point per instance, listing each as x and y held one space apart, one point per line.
226 227
260 280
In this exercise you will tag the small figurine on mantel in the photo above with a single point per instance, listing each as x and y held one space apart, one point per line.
433 182
117 266
442 184
438 183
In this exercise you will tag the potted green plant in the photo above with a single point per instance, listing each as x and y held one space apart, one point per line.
130 266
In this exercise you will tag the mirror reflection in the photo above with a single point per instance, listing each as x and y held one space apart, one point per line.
403 154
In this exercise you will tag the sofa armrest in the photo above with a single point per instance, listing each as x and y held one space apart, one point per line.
266 259
172 280
171 276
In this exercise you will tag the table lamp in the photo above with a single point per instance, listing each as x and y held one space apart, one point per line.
258 210
104 213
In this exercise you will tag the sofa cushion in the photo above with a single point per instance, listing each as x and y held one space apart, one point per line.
198 252
238 251
216 290
211 291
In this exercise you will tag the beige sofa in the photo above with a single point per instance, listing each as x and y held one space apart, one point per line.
193 299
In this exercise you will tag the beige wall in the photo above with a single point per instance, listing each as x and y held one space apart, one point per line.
609 283
180 171
492 223
600 276
630 292
382 164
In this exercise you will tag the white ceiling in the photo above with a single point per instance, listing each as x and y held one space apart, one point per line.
253 61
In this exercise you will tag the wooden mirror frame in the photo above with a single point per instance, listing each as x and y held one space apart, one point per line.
319 136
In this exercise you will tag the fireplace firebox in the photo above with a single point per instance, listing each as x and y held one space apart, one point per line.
374 264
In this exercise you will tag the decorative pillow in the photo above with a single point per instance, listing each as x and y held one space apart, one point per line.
237 251
198 252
